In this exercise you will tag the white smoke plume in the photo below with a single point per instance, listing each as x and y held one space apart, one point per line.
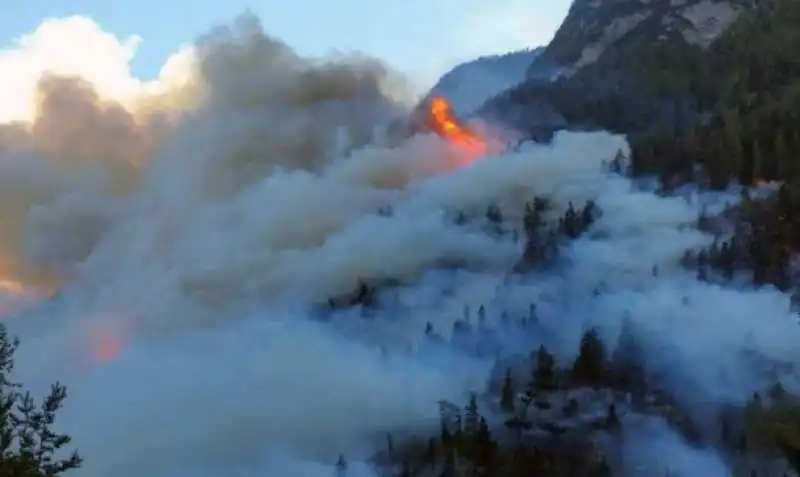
189 225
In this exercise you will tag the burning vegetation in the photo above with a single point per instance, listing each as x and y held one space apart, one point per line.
443 122
436 114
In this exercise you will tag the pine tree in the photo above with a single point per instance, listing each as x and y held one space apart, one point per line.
781 155
612 419
405 470
544 376
758 163
449 466
28 445
602 469
533 316
777 393
444 435
591 364
507 393
495 217
431 456
494 214
390 446
571 409
544 379
628 361
483 458
471 417
341 466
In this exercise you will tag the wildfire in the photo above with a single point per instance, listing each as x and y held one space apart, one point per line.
445 124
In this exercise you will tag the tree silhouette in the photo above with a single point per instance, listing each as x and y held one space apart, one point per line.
591 365
507 393
28 445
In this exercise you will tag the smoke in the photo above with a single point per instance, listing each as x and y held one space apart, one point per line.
656 450
190 224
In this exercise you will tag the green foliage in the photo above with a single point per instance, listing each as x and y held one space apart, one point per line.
761 246
731 112
536 439
28 445
752 123
772 425
540 438
733 109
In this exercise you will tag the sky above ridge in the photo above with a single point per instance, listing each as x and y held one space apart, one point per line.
423 38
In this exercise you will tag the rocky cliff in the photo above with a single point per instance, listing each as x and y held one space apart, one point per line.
593 26
624 65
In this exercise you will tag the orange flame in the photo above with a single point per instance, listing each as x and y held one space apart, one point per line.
445 124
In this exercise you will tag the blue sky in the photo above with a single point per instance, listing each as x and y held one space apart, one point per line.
421 37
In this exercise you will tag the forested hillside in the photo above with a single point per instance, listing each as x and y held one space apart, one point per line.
734 110
729 114
284 303
750 135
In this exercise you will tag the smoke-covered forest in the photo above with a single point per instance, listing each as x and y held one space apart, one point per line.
237 276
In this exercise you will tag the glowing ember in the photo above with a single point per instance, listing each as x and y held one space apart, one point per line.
107 344
445 124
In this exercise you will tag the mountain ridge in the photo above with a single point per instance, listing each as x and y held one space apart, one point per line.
593 26
488 76
647 77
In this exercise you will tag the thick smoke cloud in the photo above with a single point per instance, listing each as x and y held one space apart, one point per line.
189 226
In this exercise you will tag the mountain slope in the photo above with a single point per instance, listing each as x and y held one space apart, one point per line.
750 132
470 84
594 26
628 65
602 327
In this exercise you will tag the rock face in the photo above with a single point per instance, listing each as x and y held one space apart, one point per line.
470 84
593 26
627 66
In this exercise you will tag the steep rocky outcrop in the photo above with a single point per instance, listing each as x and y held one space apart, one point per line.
594 26
625 66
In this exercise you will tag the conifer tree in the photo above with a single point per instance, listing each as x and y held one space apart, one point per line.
28 445
483 458
341 466
507 393
543 381
628 361
545 378
431 455
471 417
591 364
405 470
612 419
